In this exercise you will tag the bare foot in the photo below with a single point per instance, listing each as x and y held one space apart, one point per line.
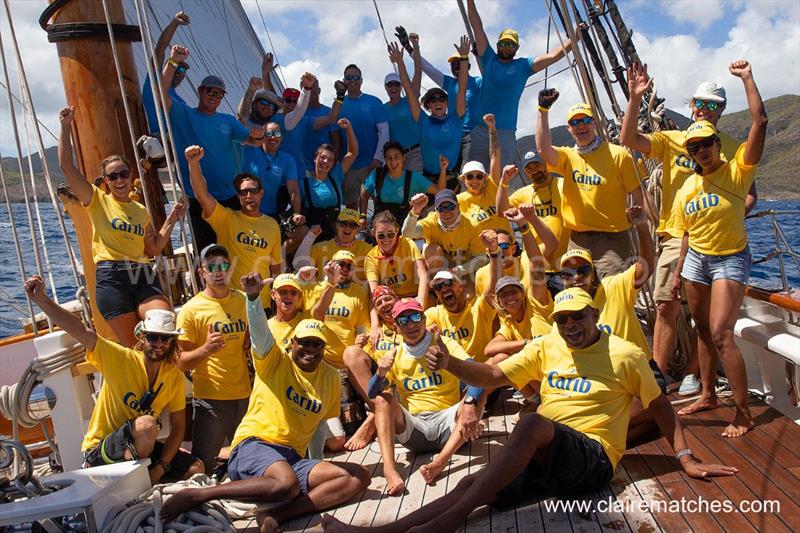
431 471
268 524
334 525
181 502
363 436
394 483
742 423
700 404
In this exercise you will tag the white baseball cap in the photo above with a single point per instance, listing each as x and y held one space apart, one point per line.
159 321
711 91
471 166
392 76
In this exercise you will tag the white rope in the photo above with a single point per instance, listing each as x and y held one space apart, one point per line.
272 46
548 5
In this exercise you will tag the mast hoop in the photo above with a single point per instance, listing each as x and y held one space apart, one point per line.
97 31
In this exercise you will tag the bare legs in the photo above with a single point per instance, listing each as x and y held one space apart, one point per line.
389 421
122 326
359 370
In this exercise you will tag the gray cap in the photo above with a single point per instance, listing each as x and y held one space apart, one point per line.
443 196
531 157
507 281
215 249
213 81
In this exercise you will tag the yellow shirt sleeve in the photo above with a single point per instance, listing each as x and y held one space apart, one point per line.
640 381
525 365
742 174
219 217
627 171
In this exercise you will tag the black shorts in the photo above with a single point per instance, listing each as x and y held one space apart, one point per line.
121 286
576 465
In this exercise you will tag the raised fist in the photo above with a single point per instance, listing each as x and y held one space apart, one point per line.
194 153
488 119
343 123
181 18
418 203
179 53
740 68
547 97
66 115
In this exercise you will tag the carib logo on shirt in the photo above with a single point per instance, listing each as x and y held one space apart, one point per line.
586 179
120 224
423 382
701 202
485 214
545 210
456 334
684 161
136 404
569 384
231 326
251 239
303 401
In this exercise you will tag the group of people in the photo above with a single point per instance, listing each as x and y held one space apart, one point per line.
368 243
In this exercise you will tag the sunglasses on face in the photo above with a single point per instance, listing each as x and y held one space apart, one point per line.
218 267
182 69
582 271
153 338
442 284
247 192
353 77
446 208
393 84
345 265
263 101
585 120
122 174
215 93
694 147
403 320
504 245
474 177
345 224
562 318
386 236
310 343
273 134
711 106
506 44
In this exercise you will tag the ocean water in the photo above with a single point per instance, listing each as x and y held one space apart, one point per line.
13 303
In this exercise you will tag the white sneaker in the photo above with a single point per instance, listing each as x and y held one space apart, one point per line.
689 386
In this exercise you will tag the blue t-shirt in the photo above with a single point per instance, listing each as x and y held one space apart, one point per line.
294 140
273 171
322 192
392 190
439 137
364 113
150 104
473 116
315 138
502 86
221 135
401 126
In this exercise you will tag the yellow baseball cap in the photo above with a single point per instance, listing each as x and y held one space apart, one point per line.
699 130
509 35
286 280
348 215
308 328
344 255
573 299
579 109
577 252
453 58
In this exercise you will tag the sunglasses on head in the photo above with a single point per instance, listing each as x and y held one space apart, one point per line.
711 106
218 267
249 191
446 207
415 317
582 271
386 236
393 84
353 77
474 177
506 44
122 174
575 121
562 318
348 224
694 147
310 343
155 337
215 93
441 284
273 134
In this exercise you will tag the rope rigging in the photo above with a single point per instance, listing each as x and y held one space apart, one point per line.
272 46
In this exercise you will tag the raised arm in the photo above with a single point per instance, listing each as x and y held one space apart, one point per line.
333 114
647 250
293 117
243 109
34 288
261 338
193 156
501 198
155 242
525 217
481 42
411 227
416 57
436 75
267 66
545 60
758 115
396 57
494 150
75 179
638 85
463 74
302 256
332 279
489 239
352 145
180 19
179 53
544 143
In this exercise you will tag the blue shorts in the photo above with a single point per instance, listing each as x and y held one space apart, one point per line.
252 457
706 269
121 286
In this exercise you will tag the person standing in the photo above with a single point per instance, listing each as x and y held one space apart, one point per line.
402 127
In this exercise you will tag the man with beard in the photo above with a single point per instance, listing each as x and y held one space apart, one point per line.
138 384
293 392
259 103
575 441
545 193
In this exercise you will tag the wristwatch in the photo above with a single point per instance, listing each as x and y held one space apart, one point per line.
164 466
470 400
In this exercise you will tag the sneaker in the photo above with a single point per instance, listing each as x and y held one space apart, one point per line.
689 386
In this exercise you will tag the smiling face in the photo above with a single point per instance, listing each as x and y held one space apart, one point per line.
537 173
579 273
578 328
393 89
394 161
272 137
216 271
250 194
512 300
700 110
583 134
437 104
708 157
209 99
118 178
386 236
446 215
353 81
346 231
384 304
412 332
263 109
475 181
158 347
450 295
287 300
307 353
324 161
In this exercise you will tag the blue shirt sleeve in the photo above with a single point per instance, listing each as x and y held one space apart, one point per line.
238 131
291 170
419 183
379 111
369 184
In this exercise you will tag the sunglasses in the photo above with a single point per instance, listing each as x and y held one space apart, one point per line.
182 69
506 44
290 100
263 101
218 267
441 284
711 106
310 343
393 84
562 318
152 338
346 265
215 93
346 224
248 192
122 174
569 273
403 320
504 245
353 77
446 208
435 99
474 177
273 134
386 236
575 121
694 147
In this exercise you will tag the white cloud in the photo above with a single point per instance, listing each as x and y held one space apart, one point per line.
699 14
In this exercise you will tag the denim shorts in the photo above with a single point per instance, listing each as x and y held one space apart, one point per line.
706 269
252 457
121 286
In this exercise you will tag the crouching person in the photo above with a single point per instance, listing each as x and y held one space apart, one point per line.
138 384
293 391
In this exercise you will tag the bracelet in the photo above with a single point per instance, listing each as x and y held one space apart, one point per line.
504 185
330 285
164 466
339 99
525 228
544 109
492 255
173 63
683 452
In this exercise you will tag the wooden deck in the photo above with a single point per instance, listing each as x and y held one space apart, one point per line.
768 459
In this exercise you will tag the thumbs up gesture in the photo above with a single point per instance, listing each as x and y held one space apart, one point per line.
215 341
437 355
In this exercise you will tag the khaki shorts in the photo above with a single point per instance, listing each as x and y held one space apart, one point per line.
669 251
353 181
612 251
428 431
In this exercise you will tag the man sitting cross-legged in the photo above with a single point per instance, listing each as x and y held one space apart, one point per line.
293 392
576 439
430 415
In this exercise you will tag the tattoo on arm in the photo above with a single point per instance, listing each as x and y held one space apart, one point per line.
494 144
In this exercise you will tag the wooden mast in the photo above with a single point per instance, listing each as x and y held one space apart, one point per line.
100 127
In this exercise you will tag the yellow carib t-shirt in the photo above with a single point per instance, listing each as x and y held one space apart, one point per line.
346 316
287 404
589 390
596 187
534 324
322 252
389 340
520 268
223 375
481 209
124 385
615 298
547 202
118 228
471 328
459 244
282 332
677 165
398 271
421 389
711 208
254 244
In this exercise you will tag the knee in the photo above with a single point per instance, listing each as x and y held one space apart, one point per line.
467 481
286 488
382 402
360 476
198 467
721 337
145 428
353 356
532 425
668 310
